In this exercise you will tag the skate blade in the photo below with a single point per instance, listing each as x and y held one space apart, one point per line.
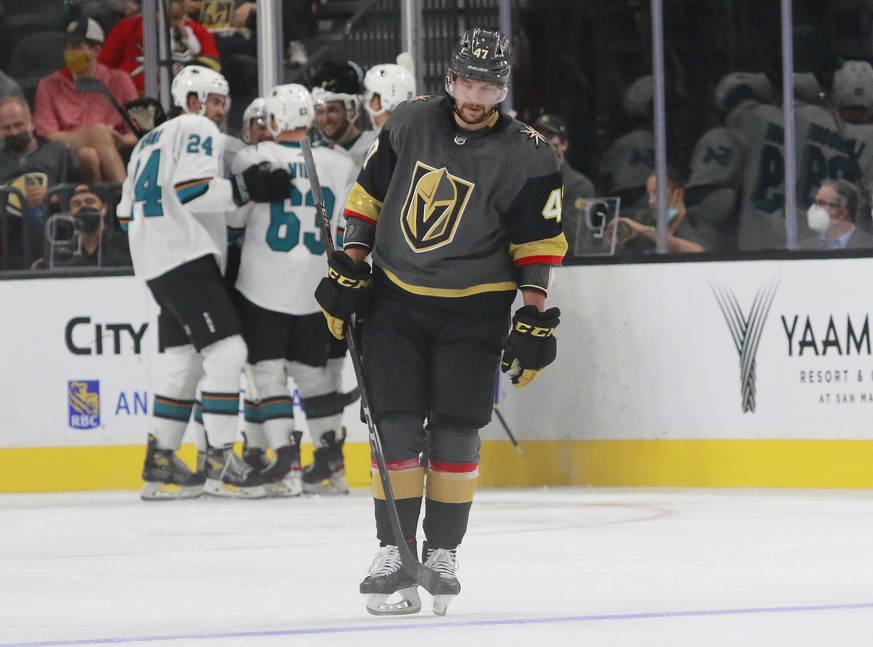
221 489
410 602
284 489
169 492
327 487
441 604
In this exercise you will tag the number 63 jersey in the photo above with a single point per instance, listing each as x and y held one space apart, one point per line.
283 253
175 198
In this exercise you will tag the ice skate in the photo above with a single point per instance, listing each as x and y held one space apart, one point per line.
388 590
444 562
228 475
283 476
327 472
167 477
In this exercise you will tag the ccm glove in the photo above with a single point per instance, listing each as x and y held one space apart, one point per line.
261 184
531 345
343 292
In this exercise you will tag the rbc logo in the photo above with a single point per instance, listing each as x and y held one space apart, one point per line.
83 404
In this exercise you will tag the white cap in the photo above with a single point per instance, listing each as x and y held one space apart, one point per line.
88 30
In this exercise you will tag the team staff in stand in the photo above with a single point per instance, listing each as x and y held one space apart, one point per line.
460 207
173 203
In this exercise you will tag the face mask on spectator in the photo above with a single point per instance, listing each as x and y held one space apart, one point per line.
17 143
818 219
78 60
89 219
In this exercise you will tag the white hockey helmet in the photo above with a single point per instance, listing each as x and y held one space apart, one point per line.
255 110
853 85
637 99
290 106
737 86
201 81
393 83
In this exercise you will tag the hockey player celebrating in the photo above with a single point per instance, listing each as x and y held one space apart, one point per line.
386 87
460 207
336 92
172 204
254 123
284 328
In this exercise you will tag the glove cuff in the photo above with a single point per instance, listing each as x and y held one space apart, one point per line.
240 192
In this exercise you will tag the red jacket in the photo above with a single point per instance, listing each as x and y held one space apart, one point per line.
123 48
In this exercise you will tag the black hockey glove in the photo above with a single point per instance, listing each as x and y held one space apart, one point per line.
261 184
343 292
531 345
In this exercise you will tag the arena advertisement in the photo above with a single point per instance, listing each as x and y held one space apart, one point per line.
80 362
741 350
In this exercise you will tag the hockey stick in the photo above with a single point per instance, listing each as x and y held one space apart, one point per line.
426 577
90 84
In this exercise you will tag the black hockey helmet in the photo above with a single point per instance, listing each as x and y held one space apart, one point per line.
482 54
338 82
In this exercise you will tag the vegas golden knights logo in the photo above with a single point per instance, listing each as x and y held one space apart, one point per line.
216 14
433 208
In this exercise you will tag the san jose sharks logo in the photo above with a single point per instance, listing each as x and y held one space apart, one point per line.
434 206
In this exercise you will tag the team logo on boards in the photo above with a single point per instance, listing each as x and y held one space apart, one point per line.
434 206
746 329
83 404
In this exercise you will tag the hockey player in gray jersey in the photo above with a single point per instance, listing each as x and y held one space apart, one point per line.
284 328
460 207
630 160
853 97
745 96
717 165
173 204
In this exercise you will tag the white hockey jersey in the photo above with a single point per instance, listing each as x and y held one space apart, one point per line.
358 149
171 167
283 254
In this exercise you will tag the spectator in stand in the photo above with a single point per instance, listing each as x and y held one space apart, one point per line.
642 235
87 122
31 164
9 86
96 243
239 36
192 43
577 188
832 216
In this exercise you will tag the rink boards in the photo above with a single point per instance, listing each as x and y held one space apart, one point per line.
754 373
